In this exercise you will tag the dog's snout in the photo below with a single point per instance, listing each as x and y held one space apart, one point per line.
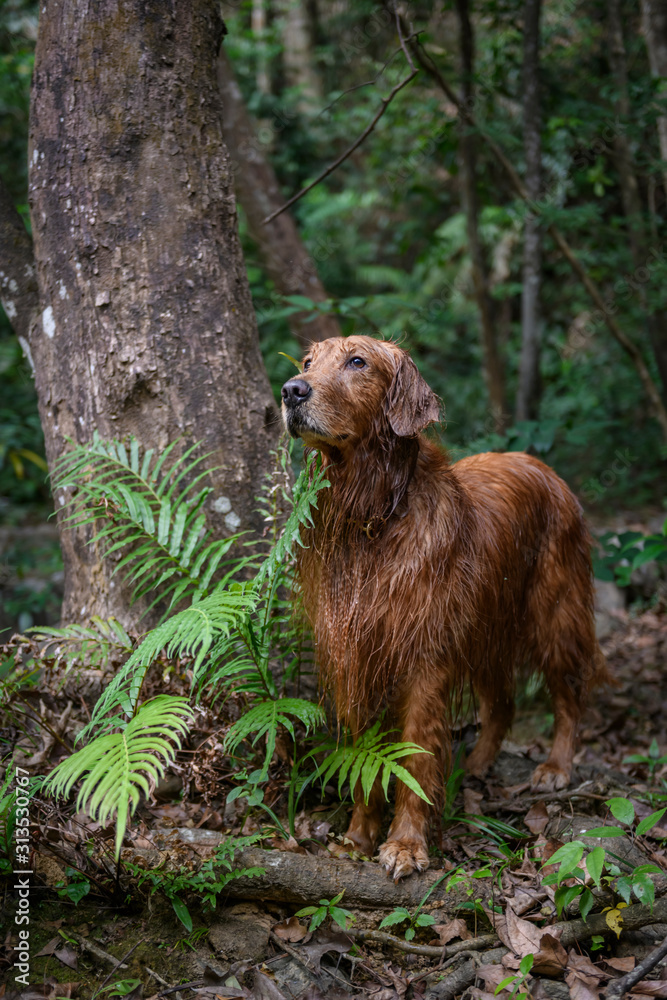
295 391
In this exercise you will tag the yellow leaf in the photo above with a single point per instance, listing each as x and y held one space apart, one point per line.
19 470
614 918
34 458
290 358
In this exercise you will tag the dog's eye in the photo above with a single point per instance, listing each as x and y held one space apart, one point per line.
357 363
306 365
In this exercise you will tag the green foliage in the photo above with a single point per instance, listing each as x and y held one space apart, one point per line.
116 767
368 758
328 908
148 511
264 718
415 920
213 876
653 759
622 554
74 887
576 862
517 982
94 645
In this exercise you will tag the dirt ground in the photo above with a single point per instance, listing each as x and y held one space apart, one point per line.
258 949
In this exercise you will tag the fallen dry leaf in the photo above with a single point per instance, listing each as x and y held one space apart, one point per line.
67 956
651 988
472 802
537 818
290 930
50 947
452 929
582 977
340 943
551 959
621 964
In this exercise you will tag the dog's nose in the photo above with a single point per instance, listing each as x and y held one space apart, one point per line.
295 391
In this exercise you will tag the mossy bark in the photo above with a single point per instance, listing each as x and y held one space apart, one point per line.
146 325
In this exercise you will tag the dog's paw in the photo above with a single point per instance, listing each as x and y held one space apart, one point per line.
403 857
478 764
549 777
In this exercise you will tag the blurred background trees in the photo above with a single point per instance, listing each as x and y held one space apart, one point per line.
419 234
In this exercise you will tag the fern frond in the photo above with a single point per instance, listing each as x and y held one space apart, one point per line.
117 767
264 718
311 480
148 511
191 632
78 643
364 760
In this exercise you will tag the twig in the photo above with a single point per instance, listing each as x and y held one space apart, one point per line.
368 83
118 963
431 950
100 953
301 959
620 986
171 989
500 804
628 346
386 101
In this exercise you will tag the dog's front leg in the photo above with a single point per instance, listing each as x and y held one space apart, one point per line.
424 722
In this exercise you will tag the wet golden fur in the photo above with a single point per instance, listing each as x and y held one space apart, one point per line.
422 576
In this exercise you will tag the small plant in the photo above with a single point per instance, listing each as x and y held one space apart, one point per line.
415 920
119 766
122 988
653 759
328 908
207 883
75 888
517 982
598 865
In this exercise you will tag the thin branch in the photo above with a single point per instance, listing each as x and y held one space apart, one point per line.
594 292
386 101
368 83
430 950
620 986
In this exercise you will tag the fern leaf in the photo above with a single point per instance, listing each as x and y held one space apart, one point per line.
264 718
116 768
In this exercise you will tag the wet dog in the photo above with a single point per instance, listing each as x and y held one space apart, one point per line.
421 577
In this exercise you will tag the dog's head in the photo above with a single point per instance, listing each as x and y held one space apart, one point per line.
352 387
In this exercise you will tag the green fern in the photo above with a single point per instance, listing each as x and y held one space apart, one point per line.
151 514
92 645
190 633
264 718
366 758
119 766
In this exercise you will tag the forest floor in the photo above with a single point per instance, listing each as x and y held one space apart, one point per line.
475 933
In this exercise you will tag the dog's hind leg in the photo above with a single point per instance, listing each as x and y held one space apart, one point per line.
496 711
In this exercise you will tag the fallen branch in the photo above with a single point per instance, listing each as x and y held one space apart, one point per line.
442 952
620 986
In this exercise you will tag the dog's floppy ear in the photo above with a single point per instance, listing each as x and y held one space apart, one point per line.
411 404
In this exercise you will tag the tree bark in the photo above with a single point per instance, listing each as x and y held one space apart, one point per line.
493 366
528 391
18 283
287 260
146 326
654 23
656 319
298 36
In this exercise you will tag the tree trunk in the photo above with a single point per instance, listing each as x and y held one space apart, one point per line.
654 23
258 25
18 284
493 367
298 36
287 260
656 319
528 392
146 326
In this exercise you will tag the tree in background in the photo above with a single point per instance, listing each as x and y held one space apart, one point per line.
528 389
144 324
